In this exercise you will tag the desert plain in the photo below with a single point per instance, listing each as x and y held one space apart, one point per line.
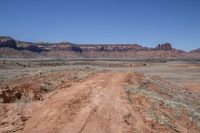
44 95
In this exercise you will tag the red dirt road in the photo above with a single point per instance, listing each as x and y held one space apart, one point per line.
96 105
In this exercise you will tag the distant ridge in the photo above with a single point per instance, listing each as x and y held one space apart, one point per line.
72 50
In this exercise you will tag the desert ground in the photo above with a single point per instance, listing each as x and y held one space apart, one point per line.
52 95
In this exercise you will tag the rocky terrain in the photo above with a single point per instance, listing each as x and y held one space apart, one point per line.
70 50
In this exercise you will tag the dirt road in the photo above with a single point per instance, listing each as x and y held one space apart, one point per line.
95 105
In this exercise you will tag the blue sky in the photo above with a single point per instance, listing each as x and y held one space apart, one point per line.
146 22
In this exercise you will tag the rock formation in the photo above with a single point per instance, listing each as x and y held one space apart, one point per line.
165 46
71 50
7 42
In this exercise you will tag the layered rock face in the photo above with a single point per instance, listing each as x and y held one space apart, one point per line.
165 46
66 46
123 47
7 42
113 47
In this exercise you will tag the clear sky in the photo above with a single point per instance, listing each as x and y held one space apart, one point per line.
146 22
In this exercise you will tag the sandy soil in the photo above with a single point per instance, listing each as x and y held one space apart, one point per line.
101 101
